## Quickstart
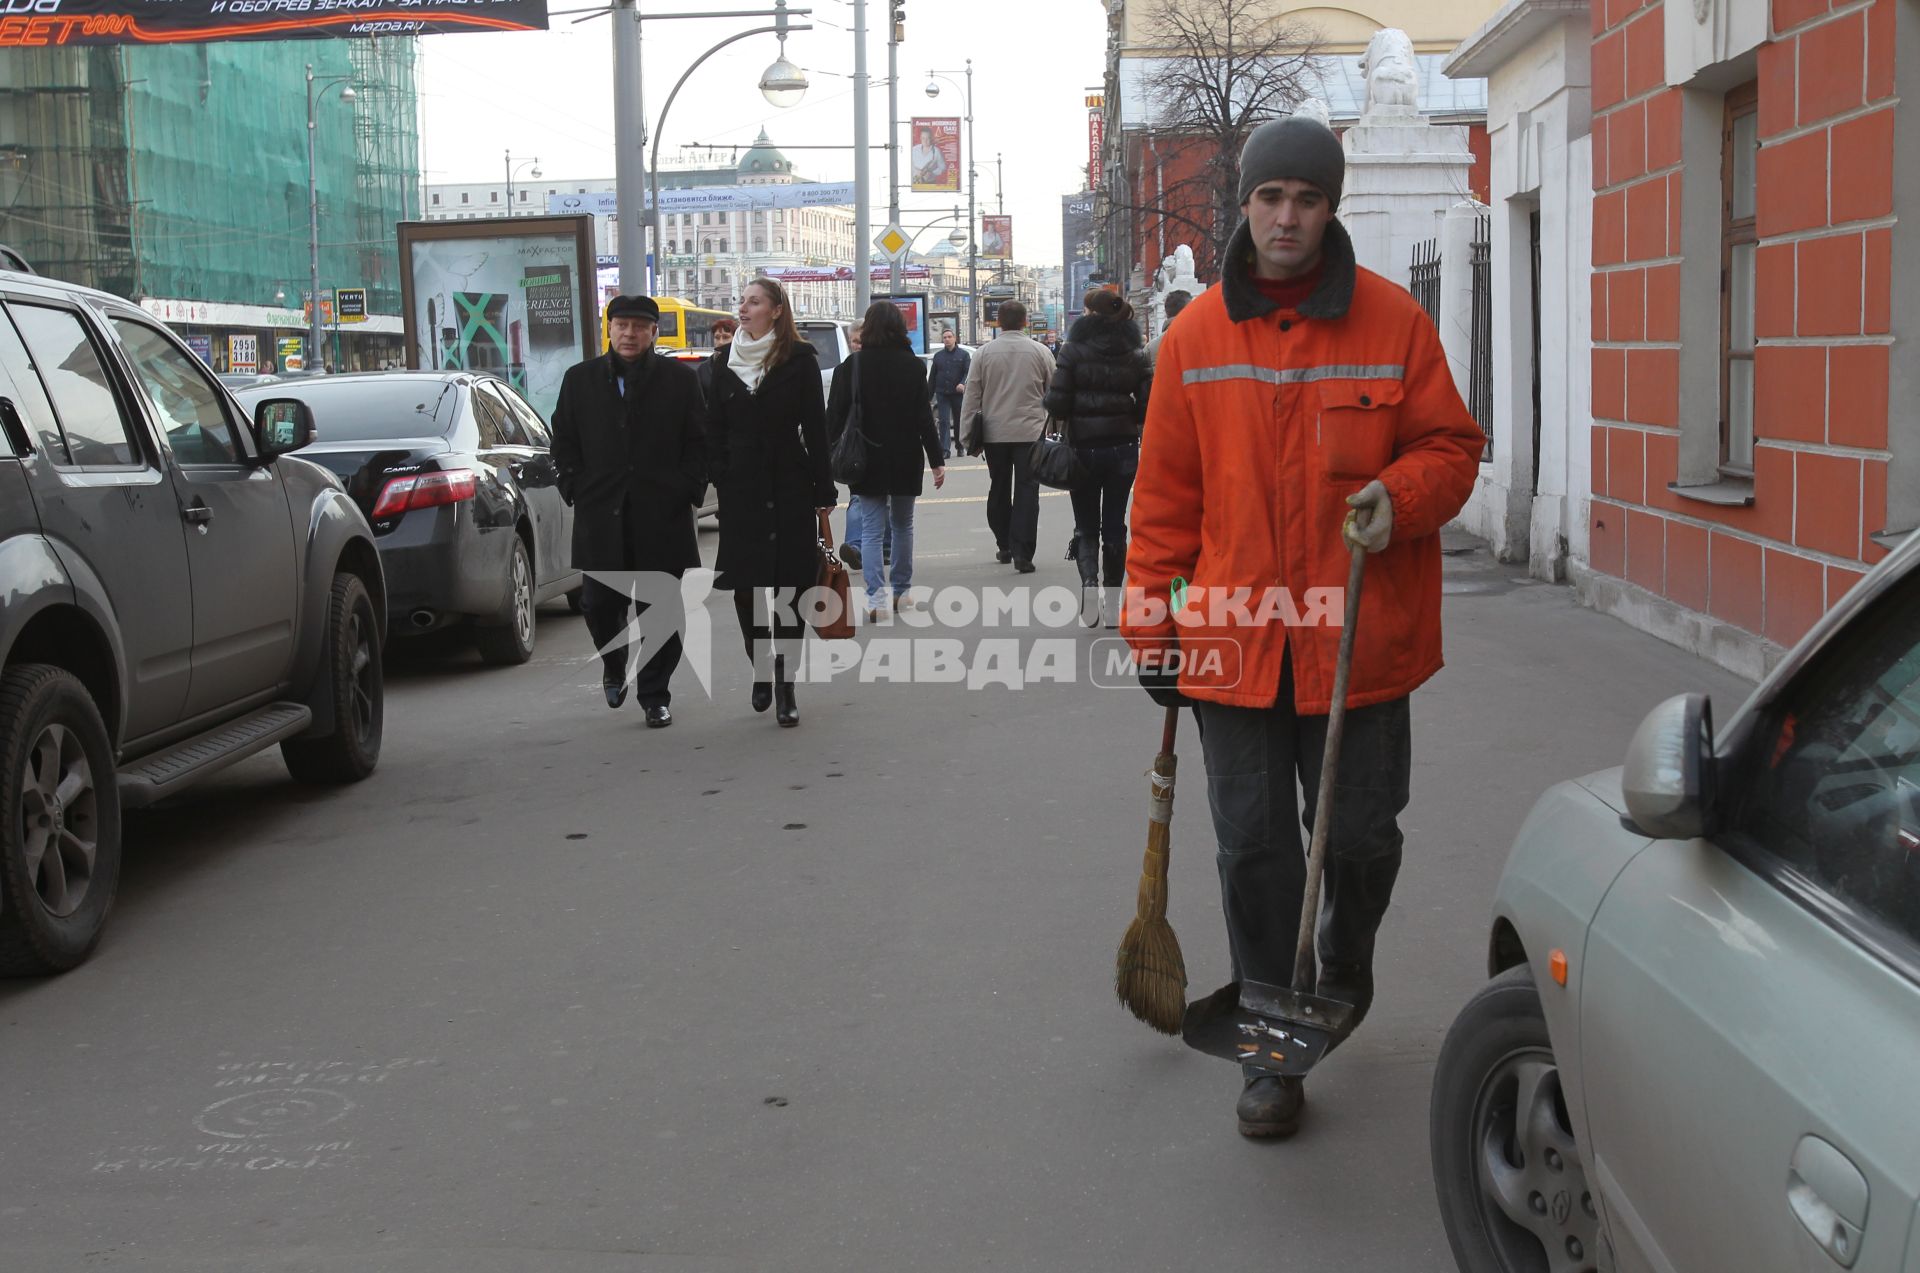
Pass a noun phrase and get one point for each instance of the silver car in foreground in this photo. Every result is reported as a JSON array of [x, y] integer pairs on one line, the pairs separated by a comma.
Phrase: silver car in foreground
[[1700, 1048]]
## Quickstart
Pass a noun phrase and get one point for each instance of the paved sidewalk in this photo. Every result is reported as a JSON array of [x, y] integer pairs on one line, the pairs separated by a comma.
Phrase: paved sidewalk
[[732, 997]]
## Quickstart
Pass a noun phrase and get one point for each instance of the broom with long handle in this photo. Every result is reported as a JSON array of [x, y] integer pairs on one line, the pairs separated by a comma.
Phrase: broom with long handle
[[1150, 975]]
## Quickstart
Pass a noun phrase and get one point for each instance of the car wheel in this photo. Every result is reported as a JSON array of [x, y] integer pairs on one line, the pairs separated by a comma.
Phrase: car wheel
[[60, 846], [1512, 1185], [352, 654], [512, 642]]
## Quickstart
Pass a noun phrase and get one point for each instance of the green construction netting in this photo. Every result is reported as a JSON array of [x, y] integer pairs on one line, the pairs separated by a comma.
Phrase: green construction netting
[[181, 171]]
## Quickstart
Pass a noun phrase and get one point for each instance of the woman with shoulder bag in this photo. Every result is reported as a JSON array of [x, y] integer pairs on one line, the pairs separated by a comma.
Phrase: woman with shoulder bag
[[767, 442], [882, 391], [1099, 390]]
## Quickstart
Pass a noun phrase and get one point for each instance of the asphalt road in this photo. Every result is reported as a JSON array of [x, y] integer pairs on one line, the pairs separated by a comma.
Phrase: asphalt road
[[551, 991]]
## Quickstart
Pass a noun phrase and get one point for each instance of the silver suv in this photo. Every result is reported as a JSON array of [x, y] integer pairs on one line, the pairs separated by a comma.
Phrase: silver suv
[[176, 593]]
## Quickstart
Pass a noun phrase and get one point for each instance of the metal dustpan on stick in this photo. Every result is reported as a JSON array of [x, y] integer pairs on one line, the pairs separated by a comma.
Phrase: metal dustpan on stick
[[1287, 1029]]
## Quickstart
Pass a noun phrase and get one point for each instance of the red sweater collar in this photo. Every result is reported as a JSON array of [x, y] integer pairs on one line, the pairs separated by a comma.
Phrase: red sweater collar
[[1290, 293]]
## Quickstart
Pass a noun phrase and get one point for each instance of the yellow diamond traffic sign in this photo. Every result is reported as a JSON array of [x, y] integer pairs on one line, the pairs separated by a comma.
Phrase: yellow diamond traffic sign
[[893, 240]]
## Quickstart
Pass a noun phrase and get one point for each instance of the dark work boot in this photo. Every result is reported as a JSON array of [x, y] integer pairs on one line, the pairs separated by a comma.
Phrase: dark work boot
[[1347, 983], [1270, 1106]]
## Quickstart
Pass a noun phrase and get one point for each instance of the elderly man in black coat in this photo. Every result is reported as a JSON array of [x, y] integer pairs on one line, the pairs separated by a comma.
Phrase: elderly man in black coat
[[631, 451]]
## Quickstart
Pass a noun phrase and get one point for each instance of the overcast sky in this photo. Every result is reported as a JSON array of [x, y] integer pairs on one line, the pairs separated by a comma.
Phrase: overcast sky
[[550, 94]]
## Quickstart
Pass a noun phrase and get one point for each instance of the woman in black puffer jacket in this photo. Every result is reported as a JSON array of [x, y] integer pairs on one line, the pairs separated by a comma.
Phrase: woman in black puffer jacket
[[1099, 389]]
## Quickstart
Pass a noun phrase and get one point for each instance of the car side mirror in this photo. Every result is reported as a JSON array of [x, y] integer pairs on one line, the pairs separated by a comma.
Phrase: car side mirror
[[282, 425], [1669, 775]]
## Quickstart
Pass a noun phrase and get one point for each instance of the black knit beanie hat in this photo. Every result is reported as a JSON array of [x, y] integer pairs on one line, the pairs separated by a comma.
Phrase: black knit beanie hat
[[1293, 147]]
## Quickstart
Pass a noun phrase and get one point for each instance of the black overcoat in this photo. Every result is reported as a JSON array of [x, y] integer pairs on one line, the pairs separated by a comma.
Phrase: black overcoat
[[896, 417], [768, 452], [634, 467]]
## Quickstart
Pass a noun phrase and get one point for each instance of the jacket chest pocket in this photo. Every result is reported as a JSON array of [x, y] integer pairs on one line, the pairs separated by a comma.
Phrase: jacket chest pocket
[[1359, 420]]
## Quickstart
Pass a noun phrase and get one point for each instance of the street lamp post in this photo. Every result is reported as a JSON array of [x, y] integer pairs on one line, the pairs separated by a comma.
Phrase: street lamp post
[[973, 245], [783, 84], [313, 210], [511, 165]]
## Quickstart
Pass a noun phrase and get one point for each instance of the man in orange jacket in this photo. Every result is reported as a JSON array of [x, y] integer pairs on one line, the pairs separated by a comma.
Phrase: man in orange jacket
[[1299, 390]]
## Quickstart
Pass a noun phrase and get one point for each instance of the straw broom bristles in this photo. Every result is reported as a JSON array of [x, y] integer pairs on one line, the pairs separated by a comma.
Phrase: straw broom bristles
[[1150, 974]]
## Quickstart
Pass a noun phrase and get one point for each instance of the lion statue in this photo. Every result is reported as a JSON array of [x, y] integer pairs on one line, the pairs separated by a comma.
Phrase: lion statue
[[1393, 86]]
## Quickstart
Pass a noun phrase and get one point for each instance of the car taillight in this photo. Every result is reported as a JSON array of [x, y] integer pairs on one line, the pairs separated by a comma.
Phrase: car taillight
[[423, 490]]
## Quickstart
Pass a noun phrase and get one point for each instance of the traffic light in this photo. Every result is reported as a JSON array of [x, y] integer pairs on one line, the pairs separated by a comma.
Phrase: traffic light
[[899, 8]]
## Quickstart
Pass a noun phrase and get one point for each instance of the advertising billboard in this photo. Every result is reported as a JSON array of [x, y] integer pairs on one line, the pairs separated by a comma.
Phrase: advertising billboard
[[913, 308], [243, 353], [350, 304], [934, 160], [1077, 233], [996, 238], [52, 23], [509, 296], [292, 351]]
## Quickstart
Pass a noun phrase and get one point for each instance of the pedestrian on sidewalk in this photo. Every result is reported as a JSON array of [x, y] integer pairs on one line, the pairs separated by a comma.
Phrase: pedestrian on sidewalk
[[897, 421], [1301, 389], [723, 329], [852, 541], [947, 381], [767, 435], [1008, 384], [1175, 302], [1099, 390], [630, 455]]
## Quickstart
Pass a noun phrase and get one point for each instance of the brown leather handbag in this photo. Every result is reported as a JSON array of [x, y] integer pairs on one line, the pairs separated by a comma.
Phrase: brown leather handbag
[[832, 577]]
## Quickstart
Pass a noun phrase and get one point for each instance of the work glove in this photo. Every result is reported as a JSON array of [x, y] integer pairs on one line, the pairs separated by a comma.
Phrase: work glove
[[1162, 686], [1370, 524]]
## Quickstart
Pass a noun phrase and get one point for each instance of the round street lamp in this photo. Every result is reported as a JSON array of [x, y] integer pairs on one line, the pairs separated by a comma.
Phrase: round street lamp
[[933, 89], [783, 84], [347, 94], [958, 237]]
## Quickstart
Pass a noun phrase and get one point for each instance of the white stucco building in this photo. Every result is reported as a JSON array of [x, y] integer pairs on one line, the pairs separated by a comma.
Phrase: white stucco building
[[1530, 502]]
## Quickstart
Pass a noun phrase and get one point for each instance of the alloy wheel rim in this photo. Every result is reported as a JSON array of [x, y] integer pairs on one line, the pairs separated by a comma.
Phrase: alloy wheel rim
[[1535, 1201], [362, 676], [522, 599], [59, 820]]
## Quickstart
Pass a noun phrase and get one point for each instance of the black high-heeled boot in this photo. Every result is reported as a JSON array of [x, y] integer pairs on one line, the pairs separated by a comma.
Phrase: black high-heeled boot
[[787, 712], [762, 695]]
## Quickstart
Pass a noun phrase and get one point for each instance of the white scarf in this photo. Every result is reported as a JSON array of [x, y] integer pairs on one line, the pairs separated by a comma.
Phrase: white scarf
[[747, 357]]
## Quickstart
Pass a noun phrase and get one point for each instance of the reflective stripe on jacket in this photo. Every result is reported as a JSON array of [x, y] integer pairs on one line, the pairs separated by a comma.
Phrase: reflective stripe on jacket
[[1262, 422]]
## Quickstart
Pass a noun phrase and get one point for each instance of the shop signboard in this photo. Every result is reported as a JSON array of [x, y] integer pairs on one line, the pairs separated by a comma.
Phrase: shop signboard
[[350, 303], [292, 351], [202, 347], [243, 353], [511, 297]]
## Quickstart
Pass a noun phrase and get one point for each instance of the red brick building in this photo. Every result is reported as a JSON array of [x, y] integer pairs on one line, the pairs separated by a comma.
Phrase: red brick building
[[1755, 442]]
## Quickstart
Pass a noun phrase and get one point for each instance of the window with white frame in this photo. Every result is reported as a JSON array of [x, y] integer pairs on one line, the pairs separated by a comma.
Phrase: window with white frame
[[1739, 242]]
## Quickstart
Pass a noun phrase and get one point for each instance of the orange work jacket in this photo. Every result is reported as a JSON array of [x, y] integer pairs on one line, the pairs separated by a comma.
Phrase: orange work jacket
[[1262, 421]]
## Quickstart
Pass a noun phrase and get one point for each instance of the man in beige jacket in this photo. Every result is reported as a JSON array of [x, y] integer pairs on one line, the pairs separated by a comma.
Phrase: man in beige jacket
[[1008, 383]]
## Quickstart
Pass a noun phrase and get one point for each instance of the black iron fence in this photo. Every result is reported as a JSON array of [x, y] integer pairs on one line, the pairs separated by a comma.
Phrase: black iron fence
[[1423, 277], [1480, 370]]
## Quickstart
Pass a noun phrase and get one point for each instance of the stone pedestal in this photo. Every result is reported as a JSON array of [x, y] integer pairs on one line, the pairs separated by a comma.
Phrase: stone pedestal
[[1402, 175]]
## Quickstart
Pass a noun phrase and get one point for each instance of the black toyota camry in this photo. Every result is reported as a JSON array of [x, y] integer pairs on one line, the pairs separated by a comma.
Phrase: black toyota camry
[[454, 471]]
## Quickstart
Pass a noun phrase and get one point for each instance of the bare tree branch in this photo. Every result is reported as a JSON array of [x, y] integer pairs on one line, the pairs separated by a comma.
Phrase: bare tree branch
[[1223, 68]]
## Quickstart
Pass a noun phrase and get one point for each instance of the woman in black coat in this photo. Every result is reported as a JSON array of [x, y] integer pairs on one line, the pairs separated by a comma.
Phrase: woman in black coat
[[767, 449], [1099, 390], [896, 418]]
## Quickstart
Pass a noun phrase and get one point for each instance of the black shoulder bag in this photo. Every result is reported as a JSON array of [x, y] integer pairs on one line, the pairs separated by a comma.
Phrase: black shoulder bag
[[847, 461]]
